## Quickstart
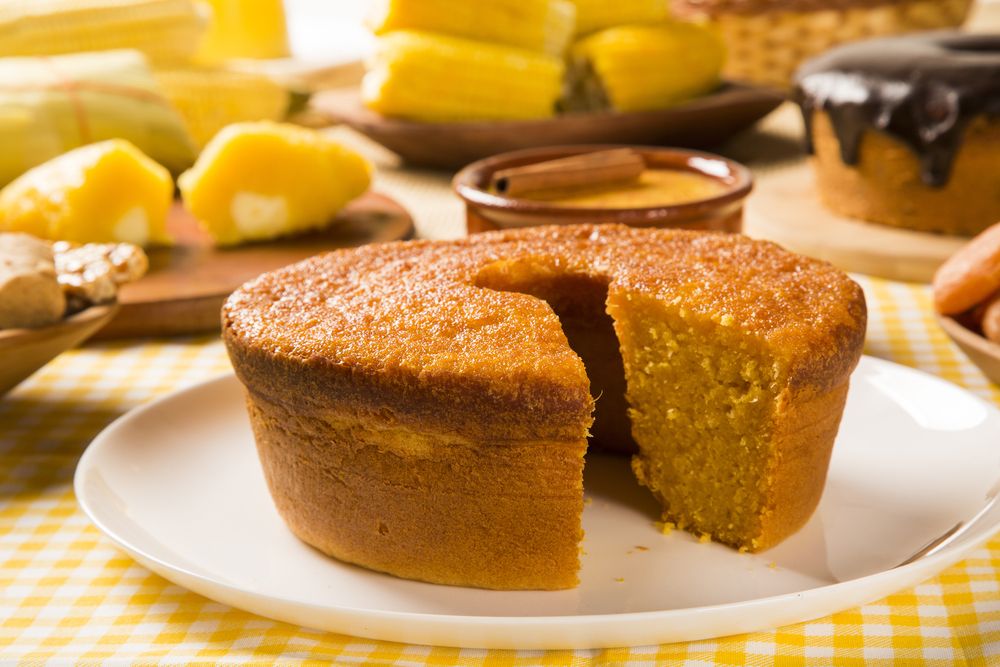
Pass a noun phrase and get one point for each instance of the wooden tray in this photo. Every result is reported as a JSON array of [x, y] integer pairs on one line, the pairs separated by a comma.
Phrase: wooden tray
[[24, 351], [701, 123], [785, 208], [187, 283]]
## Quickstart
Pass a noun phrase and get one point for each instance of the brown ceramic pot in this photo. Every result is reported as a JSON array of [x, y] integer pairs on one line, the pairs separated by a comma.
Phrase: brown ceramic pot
[[485, 210]]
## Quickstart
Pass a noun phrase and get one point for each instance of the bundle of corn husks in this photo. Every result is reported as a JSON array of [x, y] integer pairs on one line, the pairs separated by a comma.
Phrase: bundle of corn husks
[[51, 105]]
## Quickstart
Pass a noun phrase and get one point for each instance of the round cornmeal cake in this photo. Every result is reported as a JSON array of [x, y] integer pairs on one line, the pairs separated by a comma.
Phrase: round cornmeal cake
[[423, 408]]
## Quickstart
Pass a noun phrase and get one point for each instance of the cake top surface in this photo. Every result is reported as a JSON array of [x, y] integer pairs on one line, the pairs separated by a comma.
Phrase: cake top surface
[[923, 89], [415, 307]]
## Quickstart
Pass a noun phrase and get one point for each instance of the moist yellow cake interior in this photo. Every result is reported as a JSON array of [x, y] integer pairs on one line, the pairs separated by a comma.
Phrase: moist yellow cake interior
[[703, 398], [701, 395]]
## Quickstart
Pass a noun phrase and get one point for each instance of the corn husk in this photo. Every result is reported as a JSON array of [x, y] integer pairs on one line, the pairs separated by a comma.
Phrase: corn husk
[[51, 105]]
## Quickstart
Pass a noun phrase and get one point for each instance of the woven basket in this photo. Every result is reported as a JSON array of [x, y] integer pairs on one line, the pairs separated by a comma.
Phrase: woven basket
[[767, 46]]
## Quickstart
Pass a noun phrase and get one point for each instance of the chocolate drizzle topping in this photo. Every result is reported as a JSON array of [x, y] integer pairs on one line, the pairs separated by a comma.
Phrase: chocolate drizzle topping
[[921, 89]]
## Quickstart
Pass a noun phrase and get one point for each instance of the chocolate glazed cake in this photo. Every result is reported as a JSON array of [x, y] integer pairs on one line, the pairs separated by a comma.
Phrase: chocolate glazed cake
[[906, 130]]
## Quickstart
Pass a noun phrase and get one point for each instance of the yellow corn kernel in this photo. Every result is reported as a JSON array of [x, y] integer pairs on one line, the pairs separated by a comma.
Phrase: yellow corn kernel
[[433, 77], [262, 180], [103, 192]]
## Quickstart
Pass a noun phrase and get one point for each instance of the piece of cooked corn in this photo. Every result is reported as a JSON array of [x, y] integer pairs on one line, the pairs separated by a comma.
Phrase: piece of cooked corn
[[167, 31], [594, 15], [210, 99], [257, 181], [51, 105], [642, 67], [536, 25], [433, 77], [108, 191]]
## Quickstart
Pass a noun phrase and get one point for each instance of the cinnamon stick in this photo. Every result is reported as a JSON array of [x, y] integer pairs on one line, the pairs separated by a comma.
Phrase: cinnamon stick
[[617, 165]]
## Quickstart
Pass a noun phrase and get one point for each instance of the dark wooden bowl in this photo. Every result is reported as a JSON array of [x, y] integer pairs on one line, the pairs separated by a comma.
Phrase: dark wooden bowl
[[24, 351], [488, 211], [700, 123], [984, 353]]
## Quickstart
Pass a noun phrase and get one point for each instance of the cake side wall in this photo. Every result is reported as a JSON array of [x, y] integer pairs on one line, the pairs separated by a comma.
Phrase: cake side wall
[[422, 505], [522, 408], [885, 186], [805, 429]]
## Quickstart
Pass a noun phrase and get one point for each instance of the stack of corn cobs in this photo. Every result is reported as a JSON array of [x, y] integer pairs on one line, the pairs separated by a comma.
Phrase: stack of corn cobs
[[455, 60], [76, 72]]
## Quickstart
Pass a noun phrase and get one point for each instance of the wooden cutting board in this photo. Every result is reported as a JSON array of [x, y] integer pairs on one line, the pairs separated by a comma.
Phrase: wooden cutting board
[[188, 282], [785, 207]]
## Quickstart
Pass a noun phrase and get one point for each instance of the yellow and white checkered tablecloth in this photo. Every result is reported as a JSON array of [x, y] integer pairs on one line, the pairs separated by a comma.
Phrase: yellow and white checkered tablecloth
[[67, 594]]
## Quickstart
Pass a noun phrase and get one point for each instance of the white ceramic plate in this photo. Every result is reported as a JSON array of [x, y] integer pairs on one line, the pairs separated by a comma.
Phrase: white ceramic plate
[[177, 485]]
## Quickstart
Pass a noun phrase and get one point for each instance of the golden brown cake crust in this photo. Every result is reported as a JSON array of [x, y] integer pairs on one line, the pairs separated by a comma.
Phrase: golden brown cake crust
[[381, 379], [398, 314]]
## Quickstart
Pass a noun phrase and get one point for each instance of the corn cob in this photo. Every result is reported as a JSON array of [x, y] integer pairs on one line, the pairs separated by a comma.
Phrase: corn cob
[[535, 25], [438, 78], [592, 15], [642, 67], [167, 31], [51, 105], [210, 99], [257, 181], [108, 191]]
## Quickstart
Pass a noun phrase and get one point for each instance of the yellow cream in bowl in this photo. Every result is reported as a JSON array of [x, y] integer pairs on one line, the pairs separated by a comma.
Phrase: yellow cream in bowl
[[655, 187]]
